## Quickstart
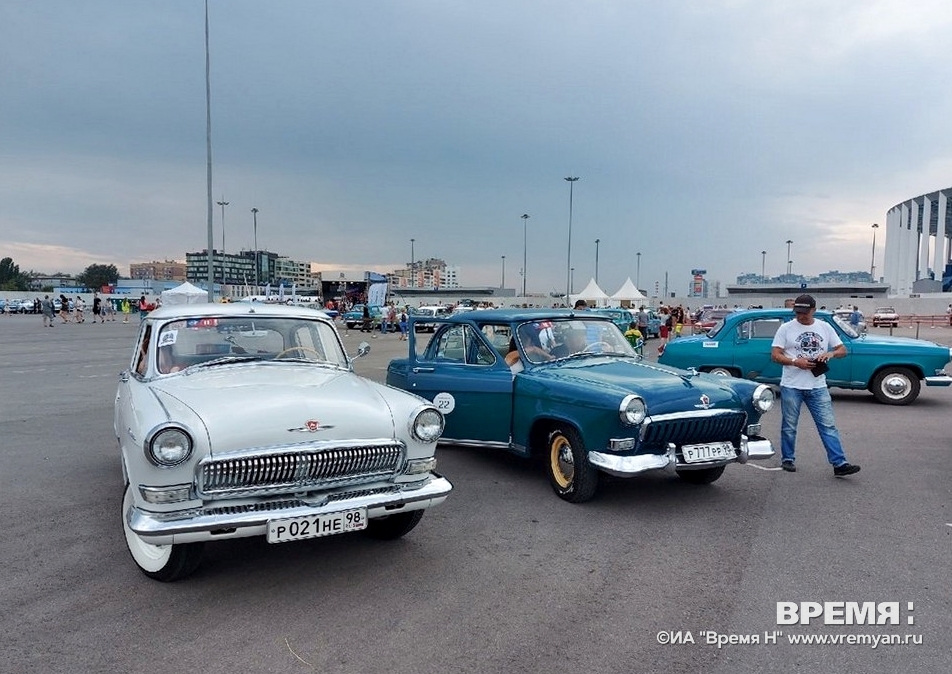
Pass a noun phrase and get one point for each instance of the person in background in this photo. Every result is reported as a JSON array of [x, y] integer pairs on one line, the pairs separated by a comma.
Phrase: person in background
[[64, 308], [80, 307], [97, 308], [803, 346], [635, 337], [403, 324], [46, 306]]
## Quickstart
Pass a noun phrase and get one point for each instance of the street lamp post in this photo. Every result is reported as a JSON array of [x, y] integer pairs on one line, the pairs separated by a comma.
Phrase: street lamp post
[[525, 241], [763, 267], [222, 203], [872, 264], [789, 261], [572, 279], [597, 241], [638, 272], [254, 214], [412, 265], [568, 262], [503, 284]]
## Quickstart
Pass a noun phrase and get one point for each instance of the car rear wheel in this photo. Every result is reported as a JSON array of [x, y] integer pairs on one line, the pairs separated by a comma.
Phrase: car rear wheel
[[572, 477], [895, 386], [720, 371], [159, 562], [703, 476], [393, 526]]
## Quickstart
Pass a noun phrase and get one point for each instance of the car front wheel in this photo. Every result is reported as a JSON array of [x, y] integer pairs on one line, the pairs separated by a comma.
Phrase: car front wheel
[[159, 562], [895, 386], [393, 526], [703, 476], [572, 477]]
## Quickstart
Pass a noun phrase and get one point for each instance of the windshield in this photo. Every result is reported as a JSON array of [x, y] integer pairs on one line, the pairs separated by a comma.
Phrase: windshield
[[195, 341], [554, 339]]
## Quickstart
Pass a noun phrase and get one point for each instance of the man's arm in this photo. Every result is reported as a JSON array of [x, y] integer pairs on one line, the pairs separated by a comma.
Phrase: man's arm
[[777, 355]]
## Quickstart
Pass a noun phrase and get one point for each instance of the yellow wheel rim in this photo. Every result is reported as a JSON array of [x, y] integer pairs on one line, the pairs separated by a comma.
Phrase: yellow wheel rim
[[562, 464]]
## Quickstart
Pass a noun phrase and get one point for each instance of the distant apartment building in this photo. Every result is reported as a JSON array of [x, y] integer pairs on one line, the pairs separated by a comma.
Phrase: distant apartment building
[[249, 268], [169, 270], [428, 274]]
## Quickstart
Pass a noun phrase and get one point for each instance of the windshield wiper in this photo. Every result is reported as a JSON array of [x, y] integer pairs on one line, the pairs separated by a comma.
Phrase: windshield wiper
[[224, 360]]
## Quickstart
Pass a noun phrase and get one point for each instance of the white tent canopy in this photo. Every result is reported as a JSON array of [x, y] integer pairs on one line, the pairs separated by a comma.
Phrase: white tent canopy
[[628, 292], [591, 293], [184, 294]]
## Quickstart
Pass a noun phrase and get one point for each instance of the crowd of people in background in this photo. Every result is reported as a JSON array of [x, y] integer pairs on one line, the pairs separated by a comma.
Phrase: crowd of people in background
[[76, 309]]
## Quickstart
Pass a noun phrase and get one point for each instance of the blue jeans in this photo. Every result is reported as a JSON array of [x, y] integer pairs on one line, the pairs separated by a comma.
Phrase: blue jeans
[[820, 405]]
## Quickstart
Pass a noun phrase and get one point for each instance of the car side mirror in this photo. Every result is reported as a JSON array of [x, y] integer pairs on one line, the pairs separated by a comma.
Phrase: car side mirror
[[363, 349]]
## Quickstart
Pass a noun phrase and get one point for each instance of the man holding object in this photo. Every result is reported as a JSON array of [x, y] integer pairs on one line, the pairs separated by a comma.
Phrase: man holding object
[[803, 346]]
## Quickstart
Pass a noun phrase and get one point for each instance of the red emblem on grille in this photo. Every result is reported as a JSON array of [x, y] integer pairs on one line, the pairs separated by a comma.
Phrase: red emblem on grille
[[312, 425]]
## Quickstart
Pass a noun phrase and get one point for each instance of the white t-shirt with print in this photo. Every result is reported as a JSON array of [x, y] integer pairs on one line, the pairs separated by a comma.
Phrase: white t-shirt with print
[[804, 341]]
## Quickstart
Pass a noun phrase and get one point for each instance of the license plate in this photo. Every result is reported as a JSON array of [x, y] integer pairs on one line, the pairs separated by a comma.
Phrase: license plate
[[299, 528], [708, 452]]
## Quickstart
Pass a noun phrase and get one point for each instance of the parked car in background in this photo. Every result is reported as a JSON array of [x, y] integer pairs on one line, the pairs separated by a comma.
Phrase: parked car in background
[[885, 316], [575, 394], [708, 318], [846, 314], [420, 315], [891, 368], [247, 419], [355, 318]]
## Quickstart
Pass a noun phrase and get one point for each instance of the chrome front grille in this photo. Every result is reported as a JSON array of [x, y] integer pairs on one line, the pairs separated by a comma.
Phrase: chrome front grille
[[694, 428], [298, 468]]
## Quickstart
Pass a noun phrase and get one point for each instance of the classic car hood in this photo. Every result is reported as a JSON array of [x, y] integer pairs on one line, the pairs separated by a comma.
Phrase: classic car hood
[[872, 340], [273, 404], [617, 377]]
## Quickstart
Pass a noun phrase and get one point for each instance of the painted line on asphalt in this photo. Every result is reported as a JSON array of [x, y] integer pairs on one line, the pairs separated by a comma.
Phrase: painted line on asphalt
[[754, 465]]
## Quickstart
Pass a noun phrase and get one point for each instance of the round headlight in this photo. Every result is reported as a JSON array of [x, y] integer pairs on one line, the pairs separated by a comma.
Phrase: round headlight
[[427, 426], [764, 398], [632, 410], [170, 447]]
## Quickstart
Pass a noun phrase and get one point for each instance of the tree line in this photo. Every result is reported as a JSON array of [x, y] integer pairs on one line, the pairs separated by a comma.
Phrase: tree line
[[93, 277]]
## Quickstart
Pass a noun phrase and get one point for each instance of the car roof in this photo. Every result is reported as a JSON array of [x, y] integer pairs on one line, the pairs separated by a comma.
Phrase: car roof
[[205, 309], [519, 315]]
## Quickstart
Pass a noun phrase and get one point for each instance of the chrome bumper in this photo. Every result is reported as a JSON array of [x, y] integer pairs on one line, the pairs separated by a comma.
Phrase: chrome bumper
[[229, 521], [939, 380], [755, 448]]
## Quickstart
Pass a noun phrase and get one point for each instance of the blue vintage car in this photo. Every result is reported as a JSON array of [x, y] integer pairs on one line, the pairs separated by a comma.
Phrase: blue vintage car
[[568, 387], [892, 368]]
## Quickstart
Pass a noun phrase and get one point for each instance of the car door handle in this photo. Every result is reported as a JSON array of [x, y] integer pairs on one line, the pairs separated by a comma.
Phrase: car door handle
[[423, 369]]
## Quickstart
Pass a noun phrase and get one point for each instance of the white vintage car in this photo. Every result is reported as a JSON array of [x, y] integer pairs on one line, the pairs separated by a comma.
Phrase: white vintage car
[[247, 419]]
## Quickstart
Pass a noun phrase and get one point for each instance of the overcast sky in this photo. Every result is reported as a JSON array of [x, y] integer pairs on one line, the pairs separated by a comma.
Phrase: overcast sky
[[702, 131]]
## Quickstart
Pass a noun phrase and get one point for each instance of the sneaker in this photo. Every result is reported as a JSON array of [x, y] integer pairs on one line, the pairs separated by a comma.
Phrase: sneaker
[[788, 466], [844, 470]]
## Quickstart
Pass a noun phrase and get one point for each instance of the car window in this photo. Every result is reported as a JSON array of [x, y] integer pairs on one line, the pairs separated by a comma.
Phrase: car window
[[459, 344], [764, 328], [844, 325], [500, 336], [541, 341]]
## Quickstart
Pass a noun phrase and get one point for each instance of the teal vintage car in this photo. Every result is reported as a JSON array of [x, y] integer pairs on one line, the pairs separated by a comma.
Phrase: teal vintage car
[[891, 368], [566, 386]]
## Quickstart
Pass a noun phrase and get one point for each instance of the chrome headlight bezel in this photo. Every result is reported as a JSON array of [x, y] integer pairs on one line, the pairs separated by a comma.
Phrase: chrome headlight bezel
[[633, 410], [169, 445], [426, 425], [763, 398]]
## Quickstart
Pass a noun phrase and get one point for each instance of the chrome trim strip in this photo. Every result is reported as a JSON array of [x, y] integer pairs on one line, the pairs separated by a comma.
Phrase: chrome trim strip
[[939, 380], [200, 524], [474, 443], [625, 466]]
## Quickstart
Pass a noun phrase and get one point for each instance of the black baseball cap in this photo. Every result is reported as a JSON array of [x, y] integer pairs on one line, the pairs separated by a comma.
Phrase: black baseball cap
[[803, 304]]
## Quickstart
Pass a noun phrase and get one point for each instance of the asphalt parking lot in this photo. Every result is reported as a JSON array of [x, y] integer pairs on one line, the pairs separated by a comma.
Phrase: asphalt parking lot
[[503, 577]]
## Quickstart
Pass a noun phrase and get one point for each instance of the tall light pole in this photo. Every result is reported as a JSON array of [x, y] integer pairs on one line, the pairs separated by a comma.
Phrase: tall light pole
[[872, 264], [254, 213], [208, 161], [568, 261], [763, 267], [503, 284], [412, 265], [525, 247], [789, 261], [222, 203], [597, 241], [638, 272]]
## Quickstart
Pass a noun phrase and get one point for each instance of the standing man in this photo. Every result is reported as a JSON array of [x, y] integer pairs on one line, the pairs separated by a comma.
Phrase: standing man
[[803, 346], [642, 320], [677, 317], [47, 307]]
